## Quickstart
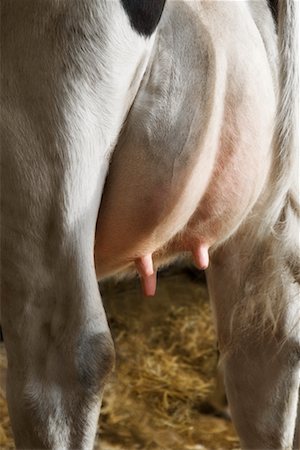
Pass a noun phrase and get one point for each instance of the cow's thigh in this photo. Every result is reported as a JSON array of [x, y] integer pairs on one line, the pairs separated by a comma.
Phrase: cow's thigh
[[256, 305]]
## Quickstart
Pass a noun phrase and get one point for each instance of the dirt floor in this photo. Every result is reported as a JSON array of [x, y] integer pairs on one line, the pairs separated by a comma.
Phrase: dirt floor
[[163, 394]]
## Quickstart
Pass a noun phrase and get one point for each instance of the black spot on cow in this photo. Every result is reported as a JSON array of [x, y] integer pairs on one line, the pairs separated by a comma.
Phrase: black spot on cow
[[144, 15], [273, 5]]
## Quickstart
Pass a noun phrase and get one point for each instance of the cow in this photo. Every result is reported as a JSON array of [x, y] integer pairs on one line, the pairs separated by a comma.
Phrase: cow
[[134, 132]]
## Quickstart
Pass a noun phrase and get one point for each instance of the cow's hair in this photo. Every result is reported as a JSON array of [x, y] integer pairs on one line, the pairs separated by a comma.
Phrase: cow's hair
[[286, 155], [283, 184], [271, 234], [283, 212]]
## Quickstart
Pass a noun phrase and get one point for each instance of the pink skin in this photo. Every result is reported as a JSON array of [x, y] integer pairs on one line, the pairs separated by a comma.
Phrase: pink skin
[[167, 207], [144, 266], [200, 255]]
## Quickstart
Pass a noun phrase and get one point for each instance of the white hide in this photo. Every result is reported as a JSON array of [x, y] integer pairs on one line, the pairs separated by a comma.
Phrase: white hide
[[70, 71]]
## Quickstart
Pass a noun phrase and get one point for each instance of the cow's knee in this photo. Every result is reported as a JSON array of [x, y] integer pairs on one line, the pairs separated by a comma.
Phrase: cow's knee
[[54, 400], [94, 358]]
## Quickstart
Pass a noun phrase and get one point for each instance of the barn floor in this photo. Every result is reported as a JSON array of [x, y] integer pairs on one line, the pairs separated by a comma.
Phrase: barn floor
[[163, 394]]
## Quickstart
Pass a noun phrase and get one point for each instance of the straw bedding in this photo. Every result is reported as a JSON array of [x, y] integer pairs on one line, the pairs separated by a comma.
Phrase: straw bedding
[[162, 393]]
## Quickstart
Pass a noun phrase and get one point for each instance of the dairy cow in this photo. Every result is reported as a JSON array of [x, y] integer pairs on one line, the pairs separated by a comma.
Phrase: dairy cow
[[127, 141]]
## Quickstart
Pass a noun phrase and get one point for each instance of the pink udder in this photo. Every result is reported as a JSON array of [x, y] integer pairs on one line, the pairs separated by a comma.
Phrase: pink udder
[[144, 266], [200, 255]]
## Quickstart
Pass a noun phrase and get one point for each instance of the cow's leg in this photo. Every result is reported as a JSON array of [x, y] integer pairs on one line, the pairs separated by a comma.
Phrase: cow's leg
[[58, 362], [256, 304], [56, 335], [70, 72], [57, 340]]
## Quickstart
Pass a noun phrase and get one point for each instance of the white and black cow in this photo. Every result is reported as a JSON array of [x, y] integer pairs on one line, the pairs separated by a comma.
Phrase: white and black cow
[[204, 165]]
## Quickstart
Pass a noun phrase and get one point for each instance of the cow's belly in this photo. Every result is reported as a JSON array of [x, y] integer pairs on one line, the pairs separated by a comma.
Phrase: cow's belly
[[208, 207], [162, 202]]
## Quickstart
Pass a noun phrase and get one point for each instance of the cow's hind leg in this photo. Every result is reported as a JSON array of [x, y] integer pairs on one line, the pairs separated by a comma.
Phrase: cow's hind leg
[[68, 87], [256, 304], [58, 343], [55, 331], [58, 360]]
